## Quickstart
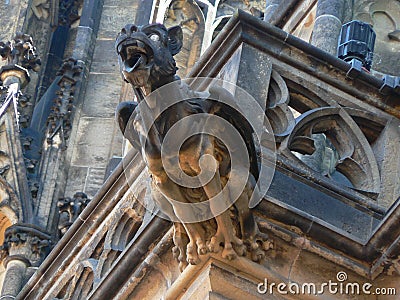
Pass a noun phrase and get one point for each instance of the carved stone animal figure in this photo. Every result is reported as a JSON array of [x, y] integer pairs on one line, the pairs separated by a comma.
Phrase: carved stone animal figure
[[147, 63]]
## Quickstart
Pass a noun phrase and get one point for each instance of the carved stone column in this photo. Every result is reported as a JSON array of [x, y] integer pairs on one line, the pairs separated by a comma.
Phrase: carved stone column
[[275, 10], [328, 22], [24, 246]]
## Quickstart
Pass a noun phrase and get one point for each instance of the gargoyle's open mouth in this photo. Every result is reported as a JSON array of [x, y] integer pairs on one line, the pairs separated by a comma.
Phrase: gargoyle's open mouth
[[135, 55]]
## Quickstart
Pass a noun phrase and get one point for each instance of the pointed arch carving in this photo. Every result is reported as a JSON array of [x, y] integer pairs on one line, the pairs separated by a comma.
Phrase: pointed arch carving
[[277, 109], [121, 231], [81, 284], [356, 158]]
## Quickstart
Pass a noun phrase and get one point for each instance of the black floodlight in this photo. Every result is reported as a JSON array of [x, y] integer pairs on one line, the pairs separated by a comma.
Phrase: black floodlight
[[356, 42]]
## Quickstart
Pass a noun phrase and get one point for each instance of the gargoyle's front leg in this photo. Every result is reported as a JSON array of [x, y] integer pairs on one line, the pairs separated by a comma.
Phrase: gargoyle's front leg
[[257, 242], [181, 240], [252, 237], [233, 246], [195, 232]]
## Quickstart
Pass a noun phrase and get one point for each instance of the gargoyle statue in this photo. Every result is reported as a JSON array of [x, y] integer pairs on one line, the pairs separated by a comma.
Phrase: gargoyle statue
[[147, 63]]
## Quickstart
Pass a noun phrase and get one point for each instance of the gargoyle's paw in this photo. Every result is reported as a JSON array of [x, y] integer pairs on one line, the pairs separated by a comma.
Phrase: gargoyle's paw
[[201, 247], [253, 246], [193, 259], [178, 253], [228, 252], [191, 255], [240, 249], [214, 245], [236, 241], [257, 255]]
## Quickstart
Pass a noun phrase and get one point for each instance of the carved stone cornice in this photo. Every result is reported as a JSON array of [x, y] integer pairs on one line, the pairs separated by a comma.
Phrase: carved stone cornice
[[25, 241], [70, 209]]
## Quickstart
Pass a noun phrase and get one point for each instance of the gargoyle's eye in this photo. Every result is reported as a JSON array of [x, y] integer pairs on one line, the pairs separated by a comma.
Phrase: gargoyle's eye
[[154, 37]]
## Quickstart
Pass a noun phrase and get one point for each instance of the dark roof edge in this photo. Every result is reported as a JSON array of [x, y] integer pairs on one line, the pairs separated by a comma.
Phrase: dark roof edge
[[243, 17], [244, 27]]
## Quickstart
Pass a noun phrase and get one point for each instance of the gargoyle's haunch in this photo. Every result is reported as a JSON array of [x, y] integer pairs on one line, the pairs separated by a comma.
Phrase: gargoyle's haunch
[[147, 63]]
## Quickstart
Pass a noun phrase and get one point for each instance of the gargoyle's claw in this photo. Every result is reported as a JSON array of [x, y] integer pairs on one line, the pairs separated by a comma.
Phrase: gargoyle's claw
[[201, 247], [228, 252], [214, 244], [191, 255]]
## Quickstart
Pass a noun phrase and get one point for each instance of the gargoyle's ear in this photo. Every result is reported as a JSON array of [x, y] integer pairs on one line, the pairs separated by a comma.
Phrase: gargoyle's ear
[[175, 39]]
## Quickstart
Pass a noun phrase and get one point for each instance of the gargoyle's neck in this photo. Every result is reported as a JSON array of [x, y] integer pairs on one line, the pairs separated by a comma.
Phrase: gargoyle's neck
[[156, 84]]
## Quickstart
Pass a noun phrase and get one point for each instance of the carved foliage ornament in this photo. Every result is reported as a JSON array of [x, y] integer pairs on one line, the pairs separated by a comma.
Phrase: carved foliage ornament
[[69, 11], [27, 242], [70, 209], [20, 51]]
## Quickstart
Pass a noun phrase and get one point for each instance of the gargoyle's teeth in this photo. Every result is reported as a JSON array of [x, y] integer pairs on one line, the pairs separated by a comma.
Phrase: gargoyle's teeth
[[135, 49], [134, 62]]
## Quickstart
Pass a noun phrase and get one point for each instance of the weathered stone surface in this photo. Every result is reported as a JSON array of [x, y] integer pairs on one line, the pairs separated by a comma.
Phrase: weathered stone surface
[[328, 22], [94, 180], [327, 7], [92, 135], [12, 15], [76, 179], [301, 24], [322, 206], [84, 44], [389, 162], [326, 32], [100, 104], [113, 19], [104, 60], [249, 69]]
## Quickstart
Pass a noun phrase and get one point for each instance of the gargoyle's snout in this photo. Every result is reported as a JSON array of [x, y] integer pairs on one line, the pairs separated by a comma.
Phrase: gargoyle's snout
[[134, 55], [129, 28]]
